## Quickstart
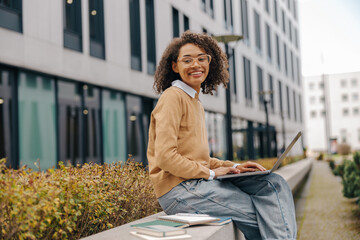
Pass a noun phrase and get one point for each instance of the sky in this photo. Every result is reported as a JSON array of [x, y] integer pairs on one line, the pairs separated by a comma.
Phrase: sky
[[329, 36]]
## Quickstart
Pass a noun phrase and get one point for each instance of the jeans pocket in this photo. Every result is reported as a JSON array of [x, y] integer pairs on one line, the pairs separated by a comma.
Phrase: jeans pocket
[[171, 209]]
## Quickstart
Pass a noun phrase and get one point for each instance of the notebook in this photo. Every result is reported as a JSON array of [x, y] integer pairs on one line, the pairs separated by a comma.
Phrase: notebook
[[160, 231], [146, 237], [191, 219], [275, 167], [161, 222]]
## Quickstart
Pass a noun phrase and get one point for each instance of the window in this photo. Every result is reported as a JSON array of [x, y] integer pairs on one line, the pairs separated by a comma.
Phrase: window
[[6, 111], [138, 117], [294, 9], [176, 28], [280, 97], [354, 82], [343, 135], [271, 87], [257, 32], [355, 96], [323, 113], [113, 126], [203, 5], [37, 121], [311, 86], [150, 37], [11, 14], [295, 108], [212, 8], [267, 7], [321, 85], [278, 59], [290, 30], [70, 122], [300, 108], [245, 20], [96, 25], [343, 83], [288, 102], [283, 21], [292, 65], [322, 99], [186, 23], [345, 112], [228, 15], [276, 11], [356, 111], [344, 97], [207, 6], [298, 71], [296, 38], [73, 28], [260, 86], [232, 72], [92, 127], [285, 59], [268, 42], [247, 81], [313, 114], [135, 35]]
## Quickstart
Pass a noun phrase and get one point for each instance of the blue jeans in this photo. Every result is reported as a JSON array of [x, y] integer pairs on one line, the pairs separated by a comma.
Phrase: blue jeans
[[262, 206]]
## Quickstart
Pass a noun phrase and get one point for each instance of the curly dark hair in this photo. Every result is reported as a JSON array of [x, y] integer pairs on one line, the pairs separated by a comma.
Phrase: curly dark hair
[[218, 69]]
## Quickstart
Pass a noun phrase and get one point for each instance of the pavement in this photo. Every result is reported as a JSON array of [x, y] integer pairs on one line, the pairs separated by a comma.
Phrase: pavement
[[322, 210]]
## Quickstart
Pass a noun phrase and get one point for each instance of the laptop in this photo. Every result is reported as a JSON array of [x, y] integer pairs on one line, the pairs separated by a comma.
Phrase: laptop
[[276, 165]]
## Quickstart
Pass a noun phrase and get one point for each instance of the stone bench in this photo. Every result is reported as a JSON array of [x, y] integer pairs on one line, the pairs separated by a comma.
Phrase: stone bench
[[293, 174]]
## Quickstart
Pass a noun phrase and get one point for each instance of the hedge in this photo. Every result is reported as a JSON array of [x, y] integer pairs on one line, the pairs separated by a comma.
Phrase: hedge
[[349, 171], [72, 202]]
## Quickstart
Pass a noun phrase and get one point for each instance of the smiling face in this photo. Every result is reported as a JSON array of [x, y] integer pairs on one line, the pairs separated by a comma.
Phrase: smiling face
[[192, 65]]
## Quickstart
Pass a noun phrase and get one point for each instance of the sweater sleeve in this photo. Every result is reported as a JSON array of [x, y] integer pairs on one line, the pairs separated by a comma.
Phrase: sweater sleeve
[[215, 163], [168, 115]]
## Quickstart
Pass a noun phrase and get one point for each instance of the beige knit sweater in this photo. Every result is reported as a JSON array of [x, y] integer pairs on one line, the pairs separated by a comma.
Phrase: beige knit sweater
[[178, 145]]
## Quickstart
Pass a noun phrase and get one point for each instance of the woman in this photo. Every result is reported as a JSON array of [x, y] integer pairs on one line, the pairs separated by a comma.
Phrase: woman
[[183, 173]]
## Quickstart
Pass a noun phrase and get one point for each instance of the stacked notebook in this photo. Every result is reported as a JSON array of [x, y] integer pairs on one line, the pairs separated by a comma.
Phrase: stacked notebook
[[171, 226]]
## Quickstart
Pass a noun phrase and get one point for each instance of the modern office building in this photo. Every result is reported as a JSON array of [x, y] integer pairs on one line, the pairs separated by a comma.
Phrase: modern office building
[[332, 115], [76, 76]]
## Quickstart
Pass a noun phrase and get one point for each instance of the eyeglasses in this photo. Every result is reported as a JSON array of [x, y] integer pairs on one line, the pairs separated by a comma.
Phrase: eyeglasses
[[202, 60]]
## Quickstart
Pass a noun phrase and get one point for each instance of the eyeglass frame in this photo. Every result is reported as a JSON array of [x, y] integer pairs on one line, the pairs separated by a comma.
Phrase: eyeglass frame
[[197, 59]]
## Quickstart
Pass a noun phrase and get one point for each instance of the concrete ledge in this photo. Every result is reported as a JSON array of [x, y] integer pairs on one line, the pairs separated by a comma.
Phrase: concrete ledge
[[293, 174]]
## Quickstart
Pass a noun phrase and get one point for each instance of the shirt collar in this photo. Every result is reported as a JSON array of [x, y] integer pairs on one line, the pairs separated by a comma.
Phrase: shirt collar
[[186, 88]]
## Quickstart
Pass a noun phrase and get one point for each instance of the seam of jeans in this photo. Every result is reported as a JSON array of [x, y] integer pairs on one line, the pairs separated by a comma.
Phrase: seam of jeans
[[281, 209]]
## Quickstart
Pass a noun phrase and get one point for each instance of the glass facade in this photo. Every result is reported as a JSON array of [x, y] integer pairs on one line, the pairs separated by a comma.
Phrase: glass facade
[[37, 121], [114, 126], [70, 122], [92, 117], [215, 125], [6, 110]]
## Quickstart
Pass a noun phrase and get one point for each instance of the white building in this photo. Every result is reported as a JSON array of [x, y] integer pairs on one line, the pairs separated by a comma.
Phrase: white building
[[332, 102], [77, 75]]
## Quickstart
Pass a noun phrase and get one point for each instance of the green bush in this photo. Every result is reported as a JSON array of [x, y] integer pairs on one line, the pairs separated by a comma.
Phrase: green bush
[[72, 202], [332, 164], [349, 171]]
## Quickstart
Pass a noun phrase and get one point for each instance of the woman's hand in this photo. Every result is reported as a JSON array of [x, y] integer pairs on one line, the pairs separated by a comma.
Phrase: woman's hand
[[225, 170], [250, 167]]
